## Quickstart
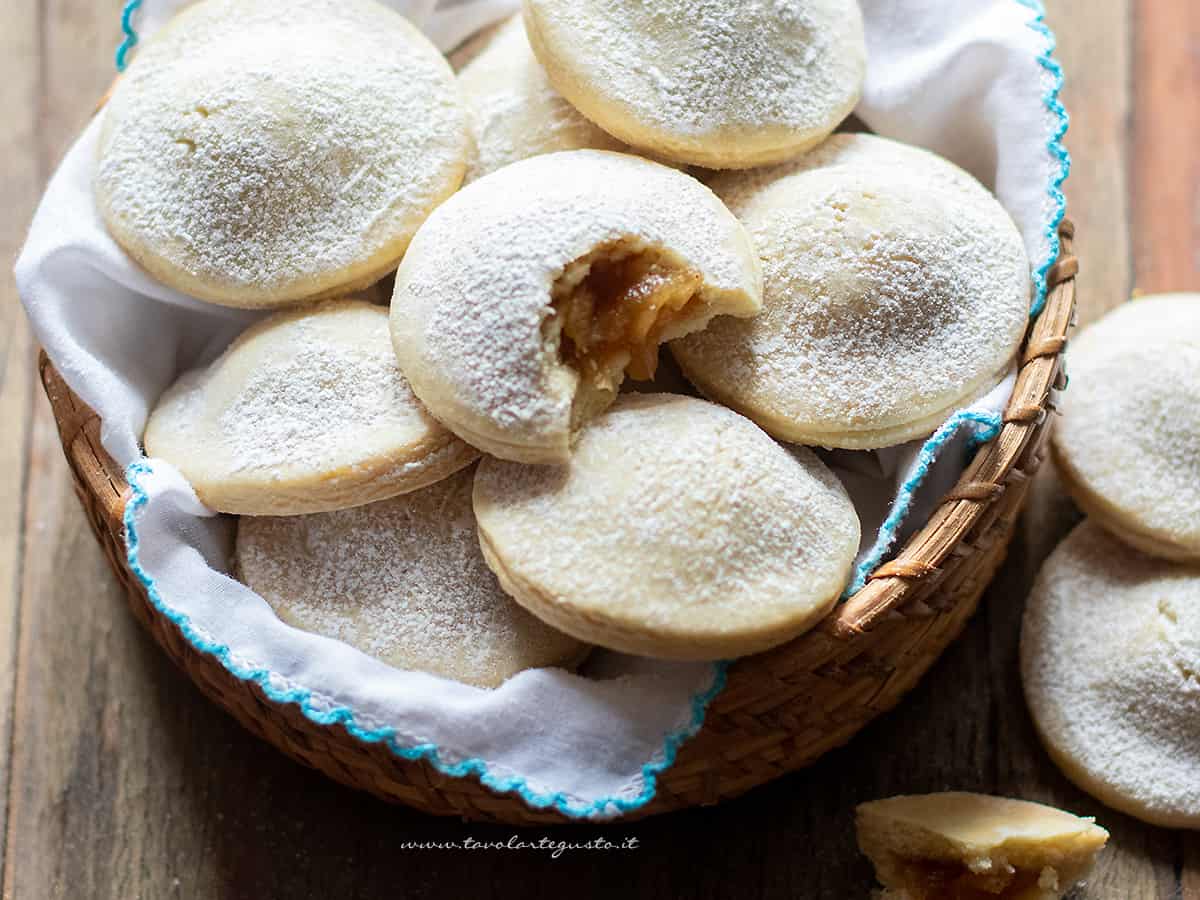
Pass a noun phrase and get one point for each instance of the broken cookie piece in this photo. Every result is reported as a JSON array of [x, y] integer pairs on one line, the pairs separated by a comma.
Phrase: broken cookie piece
[[962, 846]]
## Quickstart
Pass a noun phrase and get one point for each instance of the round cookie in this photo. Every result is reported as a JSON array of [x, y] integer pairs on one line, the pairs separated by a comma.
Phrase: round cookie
[[401, 580], [1110, 651], [705, 82], [305, 412], [516, 112], [892, 296], [243, 161], [526, 297], [680, 530], [1128, 443]]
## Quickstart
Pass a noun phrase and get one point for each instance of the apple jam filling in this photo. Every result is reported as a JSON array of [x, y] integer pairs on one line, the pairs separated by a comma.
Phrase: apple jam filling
[[937, 880], [613, 307]]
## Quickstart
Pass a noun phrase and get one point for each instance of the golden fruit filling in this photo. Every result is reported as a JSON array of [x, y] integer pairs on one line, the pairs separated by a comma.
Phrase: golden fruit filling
[[937, 880], [615, 306]]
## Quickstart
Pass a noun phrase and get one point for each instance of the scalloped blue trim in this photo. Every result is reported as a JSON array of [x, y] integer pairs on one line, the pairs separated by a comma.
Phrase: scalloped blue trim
[[1054, 146], [344, 716], [130, 39], [991, 424]]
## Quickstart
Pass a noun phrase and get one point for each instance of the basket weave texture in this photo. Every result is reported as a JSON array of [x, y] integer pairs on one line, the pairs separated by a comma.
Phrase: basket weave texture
[[780, 710]]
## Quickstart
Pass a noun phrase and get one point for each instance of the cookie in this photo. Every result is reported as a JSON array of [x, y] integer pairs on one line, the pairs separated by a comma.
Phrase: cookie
[[515, 111], [305, 412], [705, 82], [896, 290], [401, 580], [932, 846], [1128, 442], [680, 530], [242, 160], [1110, 651], [525, 300]]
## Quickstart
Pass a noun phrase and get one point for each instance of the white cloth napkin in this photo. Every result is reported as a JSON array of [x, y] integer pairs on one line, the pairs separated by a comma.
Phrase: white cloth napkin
[[972, 80]]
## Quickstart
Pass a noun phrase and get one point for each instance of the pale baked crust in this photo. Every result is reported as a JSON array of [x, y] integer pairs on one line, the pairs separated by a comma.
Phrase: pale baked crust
[[475, 293], [1128, 444], [402, 580], [963, 844], [243, 160], [1109, 656], [515, 112], [305, 412], [896, 290], [680, 530], [1113, 519], [709, 83]]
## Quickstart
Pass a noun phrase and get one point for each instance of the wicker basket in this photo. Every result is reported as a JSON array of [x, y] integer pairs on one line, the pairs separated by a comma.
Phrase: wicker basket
[[780, 710]]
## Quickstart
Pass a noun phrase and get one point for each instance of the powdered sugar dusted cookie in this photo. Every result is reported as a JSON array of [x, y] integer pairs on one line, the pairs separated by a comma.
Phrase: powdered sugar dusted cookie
[[516, 113], [1128, 444], [246, 161], [680, 530], [528, 296], [401, 580], [1110, 651], [893, 294], [306, 411], [705, 82]]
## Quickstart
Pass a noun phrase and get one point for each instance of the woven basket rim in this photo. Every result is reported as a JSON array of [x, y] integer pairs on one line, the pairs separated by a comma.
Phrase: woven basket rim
[[896, 589]]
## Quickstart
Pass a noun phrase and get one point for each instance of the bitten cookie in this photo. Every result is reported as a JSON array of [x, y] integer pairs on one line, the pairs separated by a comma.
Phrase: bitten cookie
[[515, 111], [525, 300], [305, 412], [1128, 443], [401, 580], [680, 530], [1110, 651], [261, 152], [895, 291], [705, 82], [935, 846]]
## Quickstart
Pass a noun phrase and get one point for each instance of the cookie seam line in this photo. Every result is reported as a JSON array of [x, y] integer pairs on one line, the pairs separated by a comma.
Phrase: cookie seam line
[[269, 683]]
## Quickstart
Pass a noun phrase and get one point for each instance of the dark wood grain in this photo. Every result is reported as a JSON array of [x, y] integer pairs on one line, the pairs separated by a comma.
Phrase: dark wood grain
[[123, 782]]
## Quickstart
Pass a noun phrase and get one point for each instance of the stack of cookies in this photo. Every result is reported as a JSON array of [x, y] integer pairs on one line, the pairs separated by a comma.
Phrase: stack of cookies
[[1110, 646], [457, 478]]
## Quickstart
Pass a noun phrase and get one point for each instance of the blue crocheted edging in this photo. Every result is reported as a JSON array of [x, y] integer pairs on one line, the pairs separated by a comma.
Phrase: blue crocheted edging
[[430, 753], [1054, 146], [990, 422], [130, 40]]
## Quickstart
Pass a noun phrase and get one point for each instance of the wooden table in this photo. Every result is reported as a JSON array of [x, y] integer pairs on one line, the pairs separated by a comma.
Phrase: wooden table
[[122, 782]]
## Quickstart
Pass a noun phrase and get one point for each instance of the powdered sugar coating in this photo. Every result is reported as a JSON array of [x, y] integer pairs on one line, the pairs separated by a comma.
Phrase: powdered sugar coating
[[242, 160], [401, 580], [474, 289], [706, 82], [1128, 443], [895, 290], [679, 530], [306, 411], [515, 111], [1110, 657]]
